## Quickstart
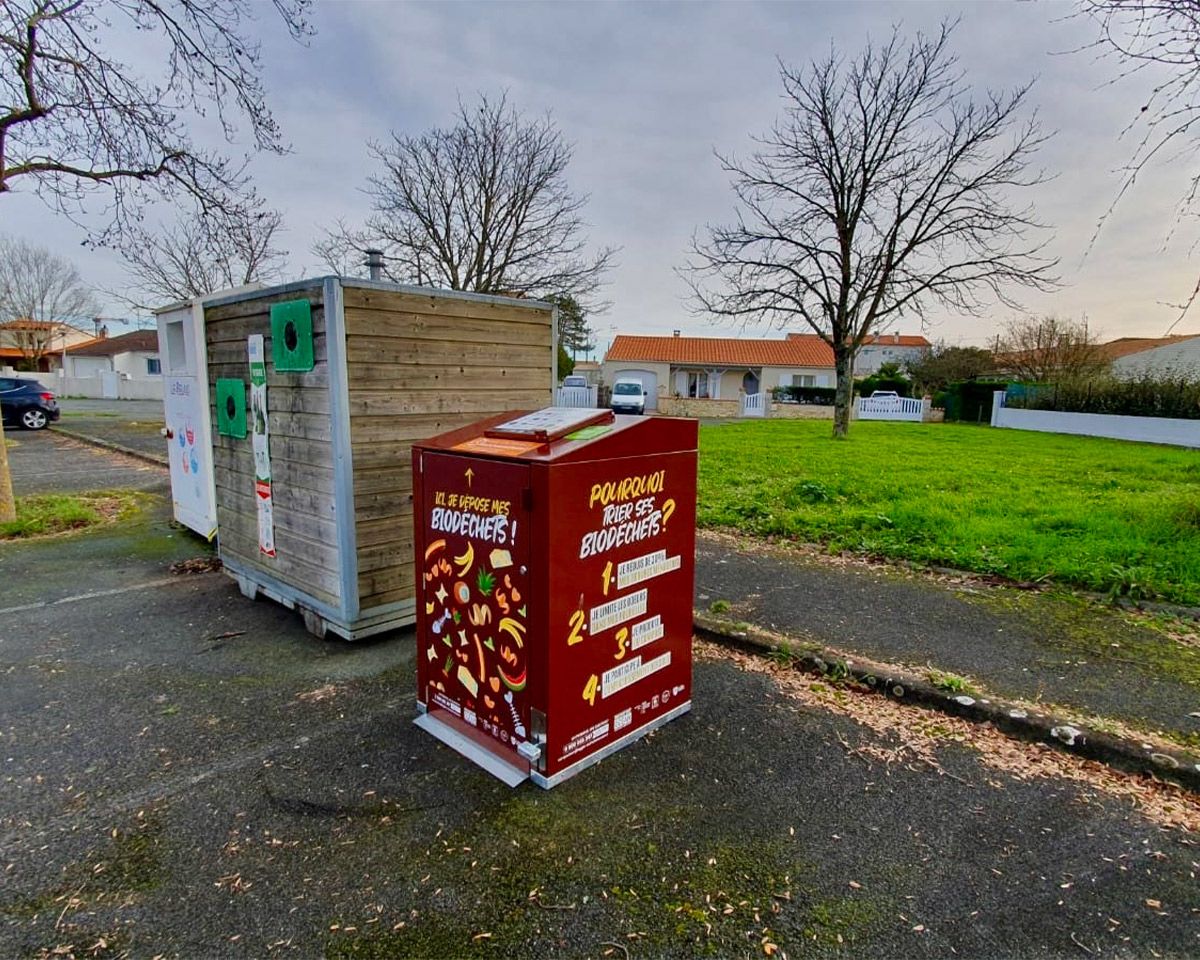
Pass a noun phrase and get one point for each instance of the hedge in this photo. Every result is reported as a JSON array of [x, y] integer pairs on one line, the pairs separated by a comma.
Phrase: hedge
[[817, 395], [1174, 397], [969, 400]]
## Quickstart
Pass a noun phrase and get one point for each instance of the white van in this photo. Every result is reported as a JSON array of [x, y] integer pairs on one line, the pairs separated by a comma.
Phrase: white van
[[629, 396]]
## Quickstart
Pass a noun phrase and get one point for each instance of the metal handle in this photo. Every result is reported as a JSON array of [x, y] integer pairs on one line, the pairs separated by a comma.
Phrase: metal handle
[[530, 751]]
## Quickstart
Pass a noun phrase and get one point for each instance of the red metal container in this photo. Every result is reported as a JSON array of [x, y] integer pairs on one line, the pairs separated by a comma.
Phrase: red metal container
[[555, 554]]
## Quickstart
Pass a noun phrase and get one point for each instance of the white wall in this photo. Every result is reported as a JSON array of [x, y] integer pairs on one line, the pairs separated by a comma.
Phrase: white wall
[[774, 376], [1178, 359], [1176, 433], [874, 355], [130, 363], [87, 366], [134, 364], [145, 389]]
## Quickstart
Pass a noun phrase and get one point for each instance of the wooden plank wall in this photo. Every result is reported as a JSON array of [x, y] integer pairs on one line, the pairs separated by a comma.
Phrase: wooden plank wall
[[302, 487], [419, 366]]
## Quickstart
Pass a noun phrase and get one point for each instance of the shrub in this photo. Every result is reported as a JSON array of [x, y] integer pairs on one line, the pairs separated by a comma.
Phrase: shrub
[[818, 395], [887, 377]]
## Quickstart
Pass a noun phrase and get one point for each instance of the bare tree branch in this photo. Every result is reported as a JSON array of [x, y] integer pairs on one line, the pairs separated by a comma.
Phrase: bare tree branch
[[481, 206], [39, 294], [1050, 348], [885, 188], [1141, 35], [197, 255], [76, 122]]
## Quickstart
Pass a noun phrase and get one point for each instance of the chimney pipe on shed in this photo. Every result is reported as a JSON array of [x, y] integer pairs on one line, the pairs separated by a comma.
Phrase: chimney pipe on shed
[[374, 264]]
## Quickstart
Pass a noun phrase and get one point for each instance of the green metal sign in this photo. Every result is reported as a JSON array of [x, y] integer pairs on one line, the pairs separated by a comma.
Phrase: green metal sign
[[231, 408], [292, 335]]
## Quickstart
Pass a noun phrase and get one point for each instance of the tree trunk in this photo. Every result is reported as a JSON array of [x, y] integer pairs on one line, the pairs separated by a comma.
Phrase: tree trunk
[[843, 363], [8, 506]]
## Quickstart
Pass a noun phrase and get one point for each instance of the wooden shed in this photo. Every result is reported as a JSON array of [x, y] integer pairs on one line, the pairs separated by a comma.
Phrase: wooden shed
[[354, 371]]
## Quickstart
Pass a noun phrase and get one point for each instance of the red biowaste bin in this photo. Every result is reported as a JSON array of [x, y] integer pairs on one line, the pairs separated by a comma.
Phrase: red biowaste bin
[[555, 555]]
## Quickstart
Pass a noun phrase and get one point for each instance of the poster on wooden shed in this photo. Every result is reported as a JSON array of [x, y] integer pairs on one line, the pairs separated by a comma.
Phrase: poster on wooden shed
[[261, 441]]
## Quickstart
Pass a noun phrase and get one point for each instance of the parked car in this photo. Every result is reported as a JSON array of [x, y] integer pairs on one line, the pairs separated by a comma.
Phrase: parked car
[[575, 380], [886, 399], [27, 403], [628, 396]]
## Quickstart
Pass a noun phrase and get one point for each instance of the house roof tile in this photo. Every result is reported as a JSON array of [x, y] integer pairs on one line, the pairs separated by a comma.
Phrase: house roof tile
[[145, 341], [797, 350], [1124, 346], [883, 339]]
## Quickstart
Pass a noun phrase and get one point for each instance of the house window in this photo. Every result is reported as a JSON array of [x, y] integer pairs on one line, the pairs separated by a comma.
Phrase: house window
[[153, 366], [803, 380], [697, 384]]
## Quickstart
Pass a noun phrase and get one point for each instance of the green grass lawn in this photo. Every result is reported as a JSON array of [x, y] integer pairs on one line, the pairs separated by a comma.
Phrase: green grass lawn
[[1103, 514], [40, 515]]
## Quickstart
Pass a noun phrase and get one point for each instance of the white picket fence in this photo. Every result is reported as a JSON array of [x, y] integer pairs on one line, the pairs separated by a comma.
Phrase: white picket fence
[[754, 404], [891, 408], [576, 397]]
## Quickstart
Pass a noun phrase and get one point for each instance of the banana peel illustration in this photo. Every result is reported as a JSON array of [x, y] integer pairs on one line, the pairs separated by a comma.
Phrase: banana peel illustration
[[514, 628], [466, 560]]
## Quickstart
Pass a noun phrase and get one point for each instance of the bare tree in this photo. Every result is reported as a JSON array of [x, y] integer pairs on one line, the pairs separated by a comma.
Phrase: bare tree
[[199, 254], [483, 206], [885, 188], [40, 294], [1042, 349], [1143, 35], [75, 121]]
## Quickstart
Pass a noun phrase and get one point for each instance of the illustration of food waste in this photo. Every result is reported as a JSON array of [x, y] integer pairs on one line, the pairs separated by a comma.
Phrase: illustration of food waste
[[476, 606]]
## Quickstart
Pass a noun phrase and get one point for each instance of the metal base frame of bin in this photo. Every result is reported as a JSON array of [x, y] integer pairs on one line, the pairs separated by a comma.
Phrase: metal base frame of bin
[[548, 782]]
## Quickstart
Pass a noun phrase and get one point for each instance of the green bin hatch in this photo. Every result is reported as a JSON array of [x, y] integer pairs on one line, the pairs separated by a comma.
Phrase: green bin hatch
[[292, 336], [231, 408]]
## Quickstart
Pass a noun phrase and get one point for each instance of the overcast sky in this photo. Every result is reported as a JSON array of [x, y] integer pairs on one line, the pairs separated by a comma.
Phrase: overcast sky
[[647, 92]]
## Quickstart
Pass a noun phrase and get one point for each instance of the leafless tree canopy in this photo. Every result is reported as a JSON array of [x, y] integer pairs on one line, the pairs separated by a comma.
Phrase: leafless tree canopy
[[481, 206], [1142, 35], [36, 285], [1046, 349], [198, 255], [885, 187], [75, 121]]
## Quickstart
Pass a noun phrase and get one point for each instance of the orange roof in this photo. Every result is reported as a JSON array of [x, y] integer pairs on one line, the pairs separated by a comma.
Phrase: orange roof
[[27, 324], [883, 339], [1124, 346], [798, 350]]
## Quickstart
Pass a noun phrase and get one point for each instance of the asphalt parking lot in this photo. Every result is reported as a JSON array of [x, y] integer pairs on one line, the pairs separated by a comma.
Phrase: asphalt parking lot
[[47, 462], [188, 773]]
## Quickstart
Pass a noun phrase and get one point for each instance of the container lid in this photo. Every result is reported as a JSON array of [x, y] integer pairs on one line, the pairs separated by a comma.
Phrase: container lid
[[550, 423]]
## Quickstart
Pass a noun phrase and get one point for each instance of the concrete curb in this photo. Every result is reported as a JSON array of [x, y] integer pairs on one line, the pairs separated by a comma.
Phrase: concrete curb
[[115, 447], [1124, 754]]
